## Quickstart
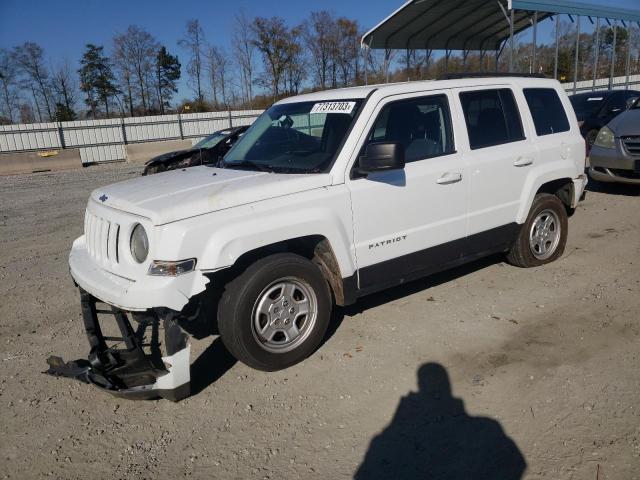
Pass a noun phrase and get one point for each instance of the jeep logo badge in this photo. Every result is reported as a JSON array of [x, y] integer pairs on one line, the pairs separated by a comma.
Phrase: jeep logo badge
[[103, 198]]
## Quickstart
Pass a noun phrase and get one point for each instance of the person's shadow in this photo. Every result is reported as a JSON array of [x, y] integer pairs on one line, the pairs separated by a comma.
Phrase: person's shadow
[[431, 437]]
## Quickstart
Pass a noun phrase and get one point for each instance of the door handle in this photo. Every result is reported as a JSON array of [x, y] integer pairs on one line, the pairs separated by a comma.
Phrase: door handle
[[523, 162], [448, 178]]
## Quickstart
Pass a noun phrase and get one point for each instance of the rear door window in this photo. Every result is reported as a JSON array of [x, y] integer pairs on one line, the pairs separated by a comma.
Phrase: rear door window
[[546, 110], [492, 117]]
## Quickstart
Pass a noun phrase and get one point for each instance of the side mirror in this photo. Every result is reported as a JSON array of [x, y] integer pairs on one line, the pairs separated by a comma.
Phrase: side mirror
[[631, 101], [379, 157]]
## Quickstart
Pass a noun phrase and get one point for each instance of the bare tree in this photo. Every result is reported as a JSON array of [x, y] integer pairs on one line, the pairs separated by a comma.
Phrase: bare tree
[[136, 50], [244, 52], [319, 33], [347, 51], [296, 63], [30, 58], [124, 72], [8, 85], [194, 41], [271, 40], [65, 89], [223, 72], [26, 113], [212, 57]]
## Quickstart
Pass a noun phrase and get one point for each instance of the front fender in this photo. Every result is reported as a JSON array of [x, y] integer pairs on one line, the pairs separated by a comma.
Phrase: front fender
[[218, 239]]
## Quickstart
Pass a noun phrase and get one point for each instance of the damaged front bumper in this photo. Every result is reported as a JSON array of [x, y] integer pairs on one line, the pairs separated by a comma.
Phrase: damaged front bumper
[[139, 370]]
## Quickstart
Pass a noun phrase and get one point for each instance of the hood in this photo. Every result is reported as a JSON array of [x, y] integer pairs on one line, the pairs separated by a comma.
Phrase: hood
[[178, 194], [170, 156], [627, 123]]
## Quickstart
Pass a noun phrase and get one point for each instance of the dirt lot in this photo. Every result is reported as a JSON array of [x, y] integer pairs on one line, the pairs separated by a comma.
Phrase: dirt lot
[[543, 365]]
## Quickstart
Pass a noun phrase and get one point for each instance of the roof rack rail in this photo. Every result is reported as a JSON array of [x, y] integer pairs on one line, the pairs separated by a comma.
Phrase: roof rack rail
[[455, 76]]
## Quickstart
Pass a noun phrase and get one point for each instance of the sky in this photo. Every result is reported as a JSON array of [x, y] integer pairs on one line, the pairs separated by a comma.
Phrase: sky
[[63, 27]]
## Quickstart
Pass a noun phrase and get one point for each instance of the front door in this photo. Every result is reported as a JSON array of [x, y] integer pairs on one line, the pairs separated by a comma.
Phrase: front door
[[412, 221]]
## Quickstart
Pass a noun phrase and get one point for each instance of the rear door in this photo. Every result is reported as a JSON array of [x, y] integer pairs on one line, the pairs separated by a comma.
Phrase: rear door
[[500, 157]]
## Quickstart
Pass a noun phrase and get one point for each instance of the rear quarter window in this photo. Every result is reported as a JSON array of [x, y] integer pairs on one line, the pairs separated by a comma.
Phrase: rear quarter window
[[546, 109], [492, 117]]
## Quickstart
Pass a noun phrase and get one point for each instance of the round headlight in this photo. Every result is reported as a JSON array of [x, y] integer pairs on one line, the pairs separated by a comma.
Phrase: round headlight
[[139, 243]]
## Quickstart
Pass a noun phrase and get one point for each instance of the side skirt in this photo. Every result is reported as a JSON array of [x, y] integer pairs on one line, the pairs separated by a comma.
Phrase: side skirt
[[406, 268]]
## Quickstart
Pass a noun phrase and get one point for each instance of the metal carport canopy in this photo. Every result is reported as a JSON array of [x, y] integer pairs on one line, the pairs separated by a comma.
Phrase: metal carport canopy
[[471, 24]]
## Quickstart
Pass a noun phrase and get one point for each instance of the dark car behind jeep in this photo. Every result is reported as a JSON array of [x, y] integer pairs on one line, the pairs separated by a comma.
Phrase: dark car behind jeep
[[595, 109], [207, 151]]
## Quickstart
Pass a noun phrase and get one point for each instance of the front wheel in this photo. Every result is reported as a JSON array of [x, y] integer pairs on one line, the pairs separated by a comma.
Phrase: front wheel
[[543, 236], [275, 313]]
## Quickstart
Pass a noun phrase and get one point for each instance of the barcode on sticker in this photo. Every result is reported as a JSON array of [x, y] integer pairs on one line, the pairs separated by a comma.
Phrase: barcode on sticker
[[333, 107]]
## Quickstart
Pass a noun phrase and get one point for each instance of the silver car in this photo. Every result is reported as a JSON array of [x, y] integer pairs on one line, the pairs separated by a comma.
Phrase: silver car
[[615, 155]]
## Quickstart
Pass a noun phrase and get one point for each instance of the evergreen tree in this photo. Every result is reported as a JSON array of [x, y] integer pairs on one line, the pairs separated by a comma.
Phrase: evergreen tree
[[96, 78], [63, 113], [167, 73]]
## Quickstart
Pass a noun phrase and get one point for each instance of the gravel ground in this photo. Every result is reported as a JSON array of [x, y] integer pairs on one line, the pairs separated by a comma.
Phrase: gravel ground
[[488, 366]]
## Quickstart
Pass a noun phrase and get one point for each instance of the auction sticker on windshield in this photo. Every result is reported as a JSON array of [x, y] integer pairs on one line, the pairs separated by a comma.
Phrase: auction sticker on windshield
[[333, 107]]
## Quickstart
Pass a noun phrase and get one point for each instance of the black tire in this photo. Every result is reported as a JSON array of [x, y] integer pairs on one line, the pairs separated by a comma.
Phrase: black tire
[[522, 253], [240, 299]]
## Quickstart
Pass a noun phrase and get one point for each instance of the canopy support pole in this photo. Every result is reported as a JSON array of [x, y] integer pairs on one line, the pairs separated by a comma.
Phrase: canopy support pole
[[366, 60], [555, 58], [482, 52], [628, 62], [613, 54], [408, 64], [511, 42], [575, 66], [596, 54], [535, 41], [427, 60], [499, 52]]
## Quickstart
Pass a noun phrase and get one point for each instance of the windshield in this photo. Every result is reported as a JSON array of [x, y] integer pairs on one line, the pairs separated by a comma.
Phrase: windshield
[[586, 105], [299, 137], [210, 141]]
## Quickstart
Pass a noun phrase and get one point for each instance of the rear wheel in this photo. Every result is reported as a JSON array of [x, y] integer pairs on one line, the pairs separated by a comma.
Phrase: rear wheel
[[275, 313], [543, 236]]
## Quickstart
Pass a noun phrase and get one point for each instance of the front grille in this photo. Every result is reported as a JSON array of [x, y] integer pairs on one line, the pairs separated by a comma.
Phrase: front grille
[[632, 145], [102, 238]]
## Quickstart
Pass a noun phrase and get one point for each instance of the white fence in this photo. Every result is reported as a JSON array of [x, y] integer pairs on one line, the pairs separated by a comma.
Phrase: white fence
[[105, 140], [603, 84]]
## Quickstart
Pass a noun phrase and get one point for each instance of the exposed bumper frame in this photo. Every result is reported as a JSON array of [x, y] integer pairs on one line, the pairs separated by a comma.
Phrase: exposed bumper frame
[[130, 372]]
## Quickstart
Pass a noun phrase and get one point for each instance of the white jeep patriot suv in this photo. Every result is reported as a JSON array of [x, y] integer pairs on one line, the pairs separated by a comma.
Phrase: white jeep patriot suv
[[329, 196]]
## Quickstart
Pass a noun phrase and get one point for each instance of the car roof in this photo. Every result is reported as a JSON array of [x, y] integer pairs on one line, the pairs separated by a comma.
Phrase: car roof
[[602, 93], [385, 89]]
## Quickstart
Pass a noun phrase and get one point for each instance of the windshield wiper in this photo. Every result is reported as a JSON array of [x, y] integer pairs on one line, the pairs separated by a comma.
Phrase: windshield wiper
[[247, 164]]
